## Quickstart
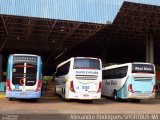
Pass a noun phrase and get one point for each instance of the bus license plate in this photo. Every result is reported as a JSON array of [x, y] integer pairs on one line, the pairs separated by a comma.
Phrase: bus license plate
[[85, 87], [143, 95], [86, 95], [23, 94]]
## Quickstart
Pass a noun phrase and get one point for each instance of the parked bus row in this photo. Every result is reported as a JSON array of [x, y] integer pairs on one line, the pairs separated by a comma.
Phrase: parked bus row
[[80, 78]]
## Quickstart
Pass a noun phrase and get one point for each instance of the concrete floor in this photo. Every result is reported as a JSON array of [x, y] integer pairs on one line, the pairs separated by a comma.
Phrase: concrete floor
[[56, 105]]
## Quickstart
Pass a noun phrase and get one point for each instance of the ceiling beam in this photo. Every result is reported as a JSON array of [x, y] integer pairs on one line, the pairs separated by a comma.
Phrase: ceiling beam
[[5, 41]]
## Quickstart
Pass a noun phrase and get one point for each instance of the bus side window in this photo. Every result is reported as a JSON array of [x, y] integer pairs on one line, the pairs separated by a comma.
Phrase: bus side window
[[63, 70], [124, 71], [118, 73]]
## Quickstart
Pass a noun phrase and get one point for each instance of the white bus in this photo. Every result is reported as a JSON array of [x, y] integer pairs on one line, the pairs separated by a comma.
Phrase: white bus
[[134, 81], [79, 78]]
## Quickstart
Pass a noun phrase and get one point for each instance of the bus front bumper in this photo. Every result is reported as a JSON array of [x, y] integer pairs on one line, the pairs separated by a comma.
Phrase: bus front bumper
[[23, 94]]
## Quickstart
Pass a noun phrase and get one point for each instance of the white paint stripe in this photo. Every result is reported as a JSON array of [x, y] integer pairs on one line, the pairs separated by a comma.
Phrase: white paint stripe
[[25, 70]]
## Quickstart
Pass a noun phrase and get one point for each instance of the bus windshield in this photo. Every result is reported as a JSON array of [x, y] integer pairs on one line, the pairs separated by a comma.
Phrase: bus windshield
[[24, 68], [81, 63], [142, 68]]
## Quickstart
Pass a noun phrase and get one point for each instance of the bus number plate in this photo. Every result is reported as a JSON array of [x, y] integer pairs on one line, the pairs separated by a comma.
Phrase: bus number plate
[[86, 95], [85, 87], [23, 94]]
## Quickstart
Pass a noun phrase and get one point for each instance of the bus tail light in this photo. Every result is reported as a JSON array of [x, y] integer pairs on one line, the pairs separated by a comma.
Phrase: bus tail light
[[39, 86], [8, 85], [99, 87], [72, 86], [154, 89], [130, 89]]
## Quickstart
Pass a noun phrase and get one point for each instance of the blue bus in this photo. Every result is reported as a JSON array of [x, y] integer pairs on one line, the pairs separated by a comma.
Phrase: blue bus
[[24, 76], [135, 81]]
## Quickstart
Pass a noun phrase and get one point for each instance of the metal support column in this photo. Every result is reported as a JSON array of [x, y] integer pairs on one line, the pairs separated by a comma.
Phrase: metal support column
[[150, 48], [103, 54]]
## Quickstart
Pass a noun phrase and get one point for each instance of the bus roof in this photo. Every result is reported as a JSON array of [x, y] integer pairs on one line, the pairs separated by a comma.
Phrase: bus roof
[[125, 64], [74, 58], [23, 55]]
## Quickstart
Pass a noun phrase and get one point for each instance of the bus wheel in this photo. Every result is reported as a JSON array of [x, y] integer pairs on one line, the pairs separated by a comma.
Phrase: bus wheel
[[89, 101], [63, 95], [67, 100], [136, 100], [35, 100], [11, 99], [115, 96], [55, 93]]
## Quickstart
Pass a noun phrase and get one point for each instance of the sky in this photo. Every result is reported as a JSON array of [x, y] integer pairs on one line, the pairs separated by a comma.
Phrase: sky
[[96, 11]]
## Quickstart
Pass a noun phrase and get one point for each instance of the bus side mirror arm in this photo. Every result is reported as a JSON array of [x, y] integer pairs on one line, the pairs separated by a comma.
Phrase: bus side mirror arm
[[54, 75]]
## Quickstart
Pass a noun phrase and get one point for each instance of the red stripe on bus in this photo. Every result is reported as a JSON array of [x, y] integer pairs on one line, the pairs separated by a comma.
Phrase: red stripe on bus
[[22, 66]]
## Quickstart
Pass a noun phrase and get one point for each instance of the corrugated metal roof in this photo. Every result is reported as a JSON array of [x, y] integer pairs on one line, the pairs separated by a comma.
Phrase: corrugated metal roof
[[97, 11]]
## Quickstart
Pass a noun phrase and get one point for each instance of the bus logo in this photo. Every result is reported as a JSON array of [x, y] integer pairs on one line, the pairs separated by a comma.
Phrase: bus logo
[[17, 86], [86, 72]]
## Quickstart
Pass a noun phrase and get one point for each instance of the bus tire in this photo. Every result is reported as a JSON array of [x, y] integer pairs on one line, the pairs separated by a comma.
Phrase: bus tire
[[115, 96], [66, 100], [63, 95], [89, 101], [136, 100], [55, 92], [35, 100], [11, 99]]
